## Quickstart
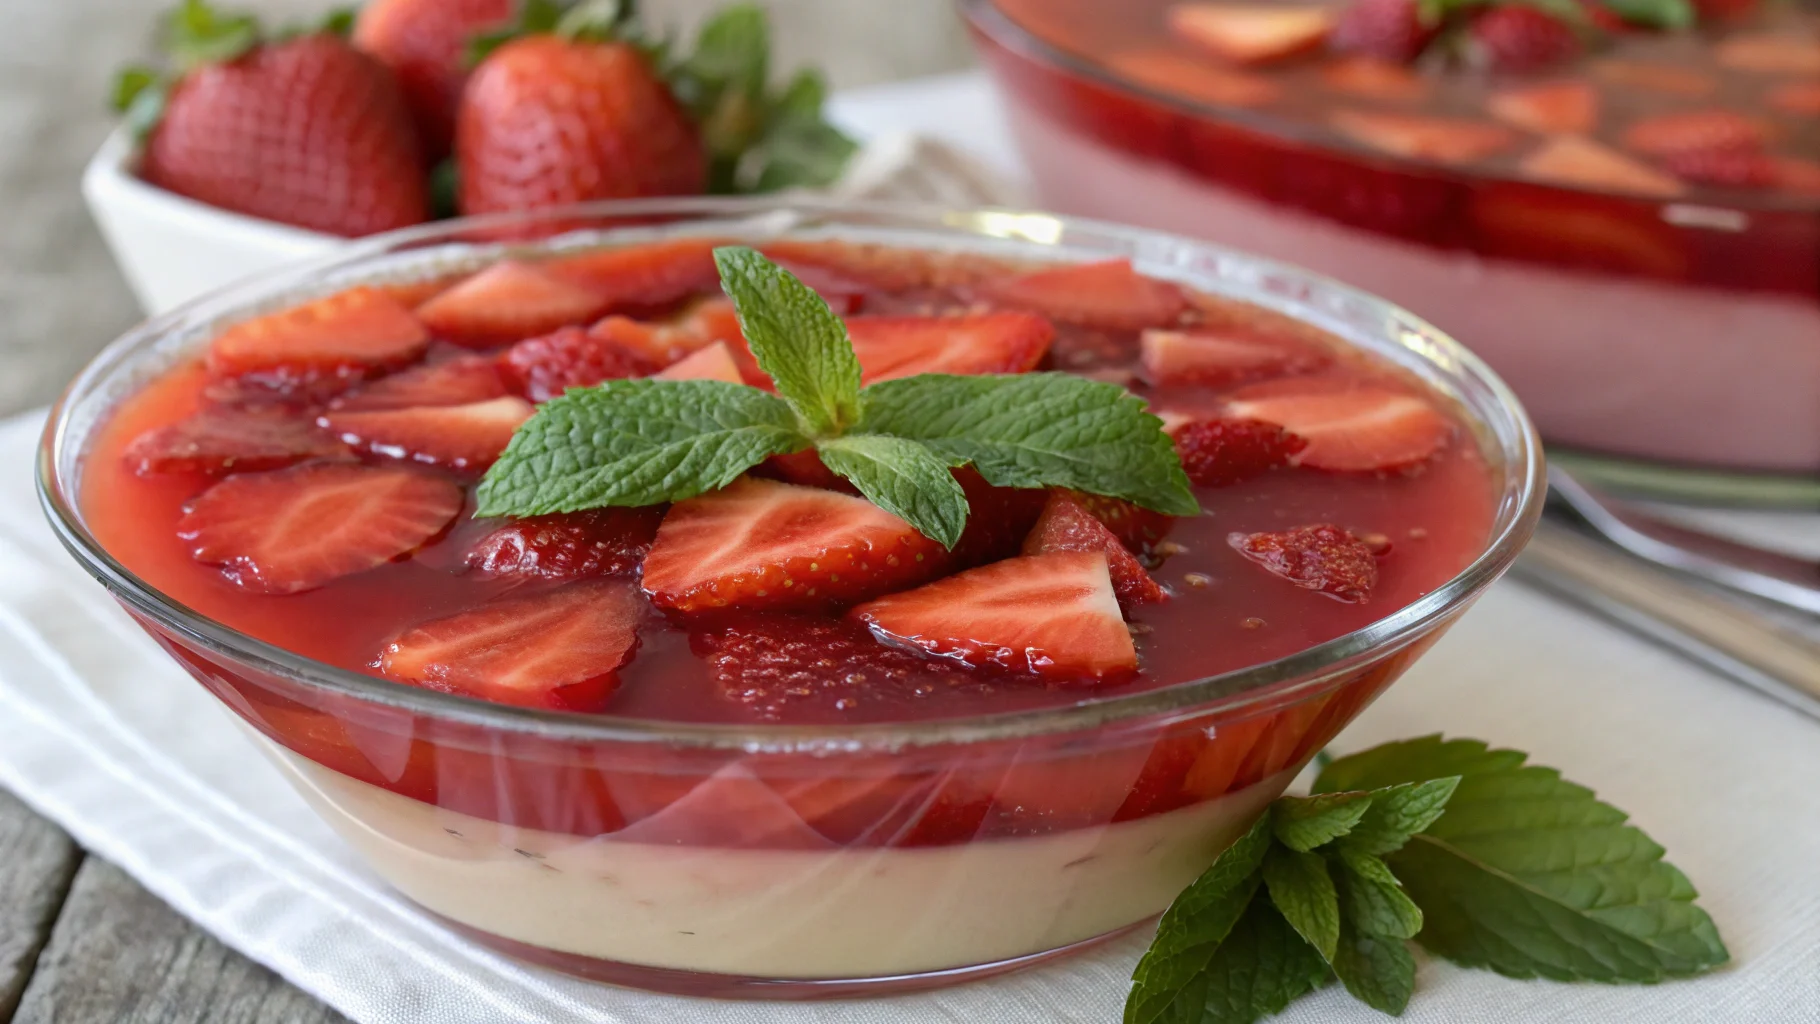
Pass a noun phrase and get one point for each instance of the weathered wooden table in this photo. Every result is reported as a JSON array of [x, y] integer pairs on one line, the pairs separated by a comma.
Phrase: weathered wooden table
[[81, 942]]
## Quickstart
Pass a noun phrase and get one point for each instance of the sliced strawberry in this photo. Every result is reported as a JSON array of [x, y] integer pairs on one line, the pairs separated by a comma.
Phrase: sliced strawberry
[[643, 277], [544, 367], [507, 302], [298, 528], [1448, 140], [1551, 108], [1321, 557], [998, 519], [230, 440], [556, 649], [1349, 426], [1583, 163], [826, 668], [347, 336], [568, 545], [453, 436], [1732, 168], [1800, 98], [1771, 53], [1136, 527], [457, 381], [902, 346], [764, 544], [1695, 131], [1169, 71], [1799, 176], [1223, 356], [1251, 34], [714, 362], [1108, 294], [844, 295], [1222, 452], [1066, 526], [1055, 615], [1375, 79], [1668, 79]]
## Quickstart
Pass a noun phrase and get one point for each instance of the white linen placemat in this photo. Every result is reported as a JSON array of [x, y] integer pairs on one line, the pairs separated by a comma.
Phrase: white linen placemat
[[106, 736]]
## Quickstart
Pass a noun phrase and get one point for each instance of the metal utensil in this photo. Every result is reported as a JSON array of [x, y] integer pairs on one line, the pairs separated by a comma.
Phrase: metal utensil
[[1722, 634], [1784, 579]]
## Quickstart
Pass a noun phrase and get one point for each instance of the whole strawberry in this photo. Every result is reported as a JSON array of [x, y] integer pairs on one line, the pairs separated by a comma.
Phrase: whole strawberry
[[1391, 30], [308, 131], [1518, 37], [547, 120], [425, 43]]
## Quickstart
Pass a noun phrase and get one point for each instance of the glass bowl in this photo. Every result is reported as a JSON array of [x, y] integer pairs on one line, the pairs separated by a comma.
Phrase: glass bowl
[[797, 861], [1672, 338]]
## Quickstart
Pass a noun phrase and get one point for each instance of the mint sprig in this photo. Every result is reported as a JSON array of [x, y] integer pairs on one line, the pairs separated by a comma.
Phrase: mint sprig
[[642, 442], [1474, 854]]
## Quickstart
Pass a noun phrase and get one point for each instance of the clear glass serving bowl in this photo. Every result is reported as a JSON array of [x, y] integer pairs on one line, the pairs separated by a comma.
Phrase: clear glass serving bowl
[[1665, 344], [772, 860]]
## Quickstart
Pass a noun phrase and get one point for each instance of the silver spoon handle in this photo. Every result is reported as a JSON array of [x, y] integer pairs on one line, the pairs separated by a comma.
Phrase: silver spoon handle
[[1719, 633]]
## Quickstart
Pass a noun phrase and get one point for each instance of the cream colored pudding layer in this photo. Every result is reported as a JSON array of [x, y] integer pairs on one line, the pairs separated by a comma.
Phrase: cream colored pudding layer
[[1621, 365], [806, 913]]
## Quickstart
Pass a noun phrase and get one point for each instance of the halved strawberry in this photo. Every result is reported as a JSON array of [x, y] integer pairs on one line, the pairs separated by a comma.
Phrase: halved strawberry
[[1349, 425], [457, 381], [556, 649], [507, 302], [543, 367], [1251, 34], [826, 668], [457, 437], [568, 545], [298, 528], [347, 336], [1572, 160], [1223, 356], [1568, 107], [1108, 294], [902, 346], [1448, 140], [1136, 527], [1322, 557], [764, 544], [714, 362], [1222, 452], [1054, 615], [230, 440], [1695, 131], [1066, 526], [643, 277]]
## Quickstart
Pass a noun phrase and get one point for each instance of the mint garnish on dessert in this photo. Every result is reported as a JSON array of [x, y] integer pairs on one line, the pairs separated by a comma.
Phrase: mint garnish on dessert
[[1475, 855], [643, 442]]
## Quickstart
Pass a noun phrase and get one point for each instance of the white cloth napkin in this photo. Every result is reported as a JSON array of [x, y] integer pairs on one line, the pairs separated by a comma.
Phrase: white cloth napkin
[[101, 732]]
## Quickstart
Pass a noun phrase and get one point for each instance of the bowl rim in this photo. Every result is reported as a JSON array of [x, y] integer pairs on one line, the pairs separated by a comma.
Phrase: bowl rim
[[1273, 683], [990, 20]]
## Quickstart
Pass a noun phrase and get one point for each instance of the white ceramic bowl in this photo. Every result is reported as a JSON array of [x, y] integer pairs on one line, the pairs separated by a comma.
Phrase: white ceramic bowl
[[174, 249]]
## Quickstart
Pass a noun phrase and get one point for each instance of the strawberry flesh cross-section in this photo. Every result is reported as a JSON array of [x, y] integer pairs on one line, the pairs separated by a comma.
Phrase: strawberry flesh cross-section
[[1349, 426], [1066, 526], [555, 649], [459, 437], [506, 302], [902, 346], [1053, 615], [347, 336], [764, 544]]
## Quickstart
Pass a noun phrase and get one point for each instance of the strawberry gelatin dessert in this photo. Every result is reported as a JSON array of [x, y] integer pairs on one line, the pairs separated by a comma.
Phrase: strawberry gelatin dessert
[[1621, 217], [696, 708]]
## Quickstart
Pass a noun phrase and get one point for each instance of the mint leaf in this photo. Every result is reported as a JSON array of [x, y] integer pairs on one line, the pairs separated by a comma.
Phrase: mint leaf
[[1674, 14], [1305, 822], [1038, 430], [1533, 876], [196, 33], [905, 479], [1303, 892], [733, 49], [1261, 967], [1376, 969], [1192, 929], [1399, 812], [1371, 898], [636, 442], [796, 339]]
